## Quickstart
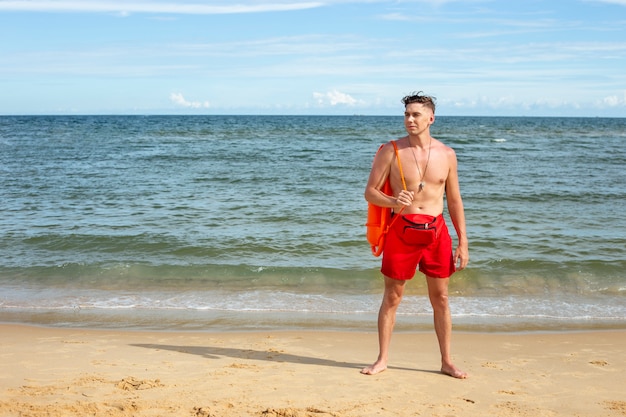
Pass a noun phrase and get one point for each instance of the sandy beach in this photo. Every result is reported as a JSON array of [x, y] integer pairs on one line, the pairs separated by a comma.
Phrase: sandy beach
[[74, 372]]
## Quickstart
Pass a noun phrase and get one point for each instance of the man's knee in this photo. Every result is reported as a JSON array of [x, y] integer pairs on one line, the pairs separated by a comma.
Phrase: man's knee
[[393, 291], [439, 300], [392, 300], [438, 292]]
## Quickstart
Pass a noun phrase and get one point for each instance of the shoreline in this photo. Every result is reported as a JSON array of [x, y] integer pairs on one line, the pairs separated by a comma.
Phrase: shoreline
[[401, 327], [63, 372], [138, 319], [311, 329]]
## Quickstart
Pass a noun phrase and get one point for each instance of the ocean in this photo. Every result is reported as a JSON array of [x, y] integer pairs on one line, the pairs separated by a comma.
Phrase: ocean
[[240, 223]]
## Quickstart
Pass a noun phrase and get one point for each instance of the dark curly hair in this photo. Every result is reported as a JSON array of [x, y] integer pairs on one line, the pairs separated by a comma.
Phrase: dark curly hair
[[420, 98]]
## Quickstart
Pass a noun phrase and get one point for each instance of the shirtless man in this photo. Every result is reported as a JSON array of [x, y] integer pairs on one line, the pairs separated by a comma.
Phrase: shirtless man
[[430, 171]]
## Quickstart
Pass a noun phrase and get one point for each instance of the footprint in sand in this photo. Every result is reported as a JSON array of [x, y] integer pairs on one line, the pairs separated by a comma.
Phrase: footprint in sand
[[134, 384]]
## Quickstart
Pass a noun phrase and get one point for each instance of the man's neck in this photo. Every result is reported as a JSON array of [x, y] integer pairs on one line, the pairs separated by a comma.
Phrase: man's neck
[[422, 140]]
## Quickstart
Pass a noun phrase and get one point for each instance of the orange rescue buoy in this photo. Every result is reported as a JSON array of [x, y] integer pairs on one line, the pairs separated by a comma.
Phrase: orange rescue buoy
[[379, 218]]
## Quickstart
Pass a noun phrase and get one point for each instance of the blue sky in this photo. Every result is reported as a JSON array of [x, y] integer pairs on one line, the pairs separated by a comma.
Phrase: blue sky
[[478, 57]]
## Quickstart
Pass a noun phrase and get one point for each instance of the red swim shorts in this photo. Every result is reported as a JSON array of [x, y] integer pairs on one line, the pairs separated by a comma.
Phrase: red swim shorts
[[401, 259]]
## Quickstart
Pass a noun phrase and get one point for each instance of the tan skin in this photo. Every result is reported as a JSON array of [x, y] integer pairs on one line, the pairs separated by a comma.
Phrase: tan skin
[[440, 178]]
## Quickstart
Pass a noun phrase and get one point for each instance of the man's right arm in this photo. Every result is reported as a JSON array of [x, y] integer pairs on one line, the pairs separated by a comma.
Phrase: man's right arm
[[378, 175]]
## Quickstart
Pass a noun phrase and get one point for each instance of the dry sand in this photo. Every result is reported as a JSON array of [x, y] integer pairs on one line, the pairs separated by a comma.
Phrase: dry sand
[[70, 372]]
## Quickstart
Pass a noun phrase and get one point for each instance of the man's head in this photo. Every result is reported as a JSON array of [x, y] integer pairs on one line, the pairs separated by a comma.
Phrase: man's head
[[420, 98]]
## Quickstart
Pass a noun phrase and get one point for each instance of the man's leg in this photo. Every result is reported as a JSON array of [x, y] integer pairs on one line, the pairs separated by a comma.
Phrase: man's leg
[[438, 294], [386, 321]]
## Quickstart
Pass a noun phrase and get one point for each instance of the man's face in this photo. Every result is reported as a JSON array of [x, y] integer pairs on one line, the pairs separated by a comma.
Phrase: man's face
[[417, 118]]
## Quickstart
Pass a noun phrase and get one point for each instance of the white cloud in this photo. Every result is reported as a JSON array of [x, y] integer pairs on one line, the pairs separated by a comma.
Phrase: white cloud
[[436, 3], [513, 104], [179, 100], [334, 98], [618, 2], [614, 101], [124, 8]]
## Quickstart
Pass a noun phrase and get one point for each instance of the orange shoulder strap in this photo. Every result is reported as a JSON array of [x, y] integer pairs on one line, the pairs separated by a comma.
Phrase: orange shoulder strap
[[395, 147]]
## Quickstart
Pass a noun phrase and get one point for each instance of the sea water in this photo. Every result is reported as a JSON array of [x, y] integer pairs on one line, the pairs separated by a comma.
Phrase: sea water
[[257, 222]]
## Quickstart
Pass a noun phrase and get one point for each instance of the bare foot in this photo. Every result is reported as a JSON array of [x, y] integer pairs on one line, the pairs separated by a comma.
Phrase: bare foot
[[453, 371], [376, 368]]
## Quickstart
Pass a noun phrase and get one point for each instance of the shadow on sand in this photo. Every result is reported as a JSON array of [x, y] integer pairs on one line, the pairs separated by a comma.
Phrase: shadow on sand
[[264, 355]]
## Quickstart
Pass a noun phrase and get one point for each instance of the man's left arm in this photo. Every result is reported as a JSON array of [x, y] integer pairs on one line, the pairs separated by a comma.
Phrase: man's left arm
[[457, 212]]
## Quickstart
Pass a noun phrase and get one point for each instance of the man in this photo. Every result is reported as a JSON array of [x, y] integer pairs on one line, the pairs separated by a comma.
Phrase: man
[[430, 171]]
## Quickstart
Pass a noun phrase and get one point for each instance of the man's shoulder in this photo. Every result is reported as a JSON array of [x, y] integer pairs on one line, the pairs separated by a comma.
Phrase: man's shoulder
[[385, 152], [389, 146], [401, 143], [442, 146]]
